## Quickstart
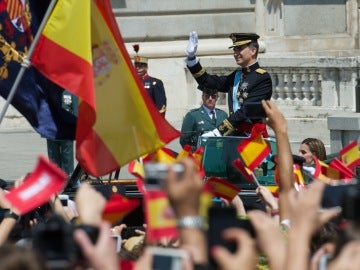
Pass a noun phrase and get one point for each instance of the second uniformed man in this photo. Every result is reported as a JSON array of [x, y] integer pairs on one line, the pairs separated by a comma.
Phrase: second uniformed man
[[201, 120], [248, 83], [153, 86]]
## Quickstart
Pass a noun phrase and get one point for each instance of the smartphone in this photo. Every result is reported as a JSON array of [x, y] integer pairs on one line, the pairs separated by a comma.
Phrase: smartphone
[[221, 218], [254, 110], [168, 258], [117, 239], [323, 262], [128, 232], [64, 198]]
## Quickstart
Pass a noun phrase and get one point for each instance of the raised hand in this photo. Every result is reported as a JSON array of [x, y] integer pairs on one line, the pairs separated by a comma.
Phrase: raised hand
[[192, 45]]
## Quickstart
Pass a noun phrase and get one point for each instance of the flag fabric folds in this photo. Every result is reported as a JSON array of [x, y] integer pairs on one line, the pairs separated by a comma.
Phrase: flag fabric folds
[[117, 121], [36, 98], [222, 188], [117, 207], [349, 155], [253, 151], [46, 180]]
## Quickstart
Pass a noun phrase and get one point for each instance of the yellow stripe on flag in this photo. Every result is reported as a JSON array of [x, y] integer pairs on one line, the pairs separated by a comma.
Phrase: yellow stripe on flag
[[62, 28]]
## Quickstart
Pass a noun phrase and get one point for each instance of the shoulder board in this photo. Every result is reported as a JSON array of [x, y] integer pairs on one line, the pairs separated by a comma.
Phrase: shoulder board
[[260, 70]]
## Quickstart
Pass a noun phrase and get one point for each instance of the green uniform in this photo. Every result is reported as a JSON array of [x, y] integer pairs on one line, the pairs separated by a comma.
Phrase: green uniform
[[61, 152], [196, 122]]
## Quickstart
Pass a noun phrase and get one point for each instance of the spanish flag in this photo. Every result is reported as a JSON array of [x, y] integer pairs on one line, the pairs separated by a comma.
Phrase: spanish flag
[[245, 171], [253, 151], [118, 207], [159, 215], [349, 155], [81, 50], [221, 188], [136, 168], [344, 171]]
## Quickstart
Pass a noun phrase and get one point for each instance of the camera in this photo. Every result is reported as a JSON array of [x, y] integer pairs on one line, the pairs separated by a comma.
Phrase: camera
[[156, 172], [54, 240]]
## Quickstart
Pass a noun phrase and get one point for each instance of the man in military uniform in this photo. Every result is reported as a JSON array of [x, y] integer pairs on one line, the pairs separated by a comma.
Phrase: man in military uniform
[[61, 152], [248, 83], [203, 119], [153, 86]]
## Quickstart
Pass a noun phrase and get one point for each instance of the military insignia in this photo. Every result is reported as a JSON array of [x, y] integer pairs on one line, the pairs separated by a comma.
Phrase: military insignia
[[154, 83], [147, 85], [242, 93], [260, 70]]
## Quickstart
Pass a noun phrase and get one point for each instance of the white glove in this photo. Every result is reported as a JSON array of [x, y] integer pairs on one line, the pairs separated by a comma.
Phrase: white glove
[[213, 133], [192, 44]]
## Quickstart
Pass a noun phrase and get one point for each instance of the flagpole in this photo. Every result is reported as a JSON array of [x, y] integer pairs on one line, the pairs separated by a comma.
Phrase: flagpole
[[26, 62]]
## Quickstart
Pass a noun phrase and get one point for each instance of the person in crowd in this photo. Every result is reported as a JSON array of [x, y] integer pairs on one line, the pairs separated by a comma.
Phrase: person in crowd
[[249, 83], [202, 119], [153, 86], [310, 148]]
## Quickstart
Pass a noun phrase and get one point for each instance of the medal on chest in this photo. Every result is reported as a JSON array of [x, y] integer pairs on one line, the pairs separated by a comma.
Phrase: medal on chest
[[242, 92]]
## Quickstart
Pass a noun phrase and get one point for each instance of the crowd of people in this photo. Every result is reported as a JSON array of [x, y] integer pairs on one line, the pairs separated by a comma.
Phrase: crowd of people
[[293, 232]]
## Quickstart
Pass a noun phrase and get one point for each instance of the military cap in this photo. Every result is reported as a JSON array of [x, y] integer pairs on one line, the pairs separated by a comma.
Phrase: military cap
[[207, 90], [239, 39], [138, 58]]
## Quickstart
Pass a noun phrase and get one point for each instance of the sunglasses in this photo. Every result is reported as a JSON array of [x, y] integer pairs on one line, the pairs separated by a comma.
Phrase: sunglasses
[[213, 96]]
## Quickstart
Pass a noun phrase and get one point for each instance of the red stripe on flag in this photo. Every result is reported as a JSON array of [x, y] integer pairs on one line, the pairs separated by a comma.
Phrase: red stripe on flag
[[93, 154], [73, 79]]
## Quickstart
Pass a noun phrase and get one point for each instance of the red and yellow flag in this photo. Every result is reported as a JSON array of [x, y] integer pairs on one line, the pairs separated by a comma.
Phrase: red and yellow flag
[[350, 156], [118, 207], [159, 215], [221, 188], [81, 49], [253, 151], [245, 171], [344, 171]]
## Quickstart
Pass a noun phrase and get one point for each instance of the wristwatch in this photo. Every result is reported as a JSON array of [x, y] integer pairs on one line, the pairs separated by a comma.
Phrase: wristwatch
[[10, 214], [190, 222]]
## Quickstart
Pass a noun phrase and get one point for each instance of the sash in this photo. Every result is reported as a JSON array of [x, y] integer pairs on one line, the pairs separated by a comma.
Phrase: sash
[[236, 104]]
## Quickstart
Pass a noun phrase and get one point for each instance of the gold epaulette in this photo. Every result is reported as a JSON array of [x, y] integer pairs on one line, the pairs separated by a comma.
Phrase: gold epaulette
[[198, 74], [260, 70]]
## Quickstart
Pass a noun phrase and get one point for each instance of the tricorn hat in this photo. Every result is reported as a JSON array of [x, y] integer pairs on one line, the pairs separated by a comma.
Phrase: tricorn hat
[[207, 90], [239, 39], [138, 58]]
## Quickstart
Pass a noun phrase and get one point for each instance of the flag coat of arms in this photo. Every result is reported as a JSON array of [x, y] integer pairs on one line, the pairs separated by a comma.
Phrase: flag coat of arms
[[117, 121]]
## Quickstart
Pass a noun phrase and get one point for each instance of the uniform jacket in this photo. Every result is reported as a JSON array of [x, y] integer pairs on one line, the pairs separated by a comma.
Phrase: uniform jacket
[[256, 84], [196, 122], [155, 89]]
